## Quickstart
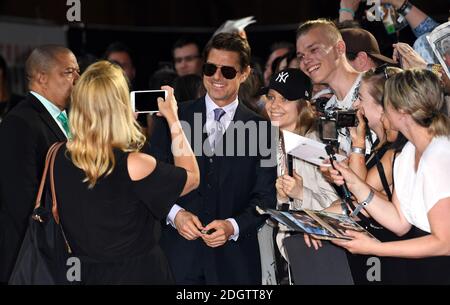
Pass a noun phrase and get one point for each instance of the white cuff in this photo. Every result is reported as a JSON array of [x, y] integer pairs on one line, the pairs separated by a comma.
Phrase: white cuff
[[170, 219], [235, 236]]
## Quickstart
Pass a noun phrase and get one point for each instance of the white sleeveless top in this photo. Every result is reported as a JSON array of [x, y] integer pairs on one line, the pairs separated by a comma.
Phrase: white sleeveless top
[[419, 191]]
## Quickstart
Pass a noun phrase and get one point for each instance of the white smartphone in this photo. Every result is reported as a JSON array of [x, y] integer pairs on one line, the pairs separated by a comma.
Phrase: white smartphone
[[146, 101]]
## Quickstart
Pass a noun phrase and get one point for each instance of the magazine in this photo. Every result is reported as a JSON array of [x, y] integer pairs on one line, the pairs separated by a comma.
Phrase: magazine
[[323, 225], [307, 149], [439, 40]]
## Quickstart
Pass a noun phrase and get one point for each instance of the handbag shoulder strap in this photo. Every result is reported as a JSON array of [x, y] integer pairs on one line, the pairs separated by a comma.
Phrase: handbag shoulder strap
[[44, 175], [52, 182], [49, 163]]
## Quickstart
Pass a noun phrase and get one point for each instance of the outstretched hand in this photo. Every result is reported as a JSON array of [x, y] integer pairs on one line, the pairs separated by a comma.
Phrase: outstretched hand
[[407, 56], [358, 133], [311, 241], [360, 243]]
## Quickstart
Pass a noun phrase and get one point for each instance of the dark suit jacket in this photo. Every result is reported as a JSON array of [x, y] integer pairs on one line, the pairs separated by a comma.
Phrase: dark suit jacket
[[26, 133], [230, 187]]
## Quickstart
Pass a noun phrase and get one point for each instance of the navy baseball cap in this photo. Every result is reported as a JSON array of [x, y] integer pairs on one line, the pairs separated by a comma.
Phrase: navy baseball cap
[[291, 83]]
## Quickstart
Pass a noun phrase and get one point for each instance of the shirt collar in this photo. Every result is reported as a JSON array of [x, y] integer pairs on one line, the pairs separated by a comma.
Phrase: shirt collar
[[230, 109], [349, 99], [51, 108]]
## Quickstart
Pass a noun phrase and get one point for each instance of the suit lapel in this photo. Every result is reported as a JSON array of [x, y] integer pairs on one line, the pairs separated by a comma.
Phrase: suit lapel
[[199, 108], [46, 117], [225, 170], [239, 116]]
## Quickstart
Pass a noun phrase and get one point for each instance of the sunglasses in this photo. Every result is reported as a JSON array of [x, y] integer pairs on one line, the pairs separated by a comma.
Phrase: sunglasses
[[227, 71], [383, 69]]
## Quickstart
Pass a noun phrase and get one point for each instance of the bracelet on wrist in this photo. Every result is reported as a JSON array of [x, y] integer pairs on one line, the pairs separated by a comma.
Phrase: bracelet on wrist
[[363, 204], [358, 150], [368, 200], [347, 10], [405, 8]]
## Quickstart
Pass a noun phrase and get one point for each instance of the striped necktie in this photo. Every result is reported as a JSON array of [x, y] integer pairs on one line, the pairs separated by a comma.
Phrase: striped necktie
[[219, 128]]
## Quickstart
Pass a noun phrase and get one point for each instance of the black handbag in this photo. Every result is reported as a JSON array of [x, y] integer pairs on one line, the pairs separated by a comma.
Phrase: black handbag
[[44, 252]]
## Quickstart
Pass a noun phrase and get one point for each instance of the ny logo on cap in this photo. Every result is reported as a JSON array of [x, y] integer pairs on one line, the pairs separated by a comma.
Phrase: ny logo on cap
[[281, 78]]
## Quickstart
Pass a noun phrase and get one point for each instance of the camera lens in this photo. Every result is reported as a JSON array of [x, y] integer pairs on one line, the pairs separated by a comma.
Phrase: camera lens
[[320, 104]]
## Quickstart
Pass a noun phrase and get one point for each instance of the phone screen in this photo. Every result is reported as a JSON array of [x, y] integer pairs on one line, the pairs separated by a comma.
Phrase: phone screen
[[146, 101]]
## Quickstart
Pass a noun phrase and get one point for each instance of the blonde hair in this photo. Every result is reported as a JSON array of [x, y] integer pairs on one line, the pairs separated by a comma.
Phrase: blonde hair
[[419, 93], [306, 118], [330, 30], [376, 79], [101, 119]]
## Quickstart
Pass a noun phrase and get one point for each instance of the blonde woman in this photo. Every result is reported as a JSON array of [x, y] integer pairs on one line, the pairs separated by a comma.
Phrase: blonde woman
[[111, 197], [414, 103]]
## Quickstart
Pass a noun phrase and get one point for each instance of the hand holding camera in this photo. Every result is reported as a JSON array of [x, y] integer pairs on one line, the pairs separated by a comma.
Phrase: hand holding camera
[[358, 133]]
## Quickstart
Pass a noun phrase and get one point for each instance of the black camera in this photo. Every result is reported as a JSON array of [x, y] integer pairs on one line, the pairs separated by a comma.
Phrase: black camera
[[333, 121], [320, 104]]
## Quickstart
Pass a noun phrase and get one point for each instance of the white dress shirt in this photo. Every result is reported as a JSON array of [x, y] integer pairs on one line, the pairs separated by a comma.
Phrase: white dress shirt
[[52, 109]]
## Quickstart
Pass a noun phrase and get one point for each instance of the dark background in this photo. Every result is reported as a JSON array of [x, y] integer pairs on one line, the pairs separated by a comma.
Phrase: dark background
[[150, 28], [188, 13]]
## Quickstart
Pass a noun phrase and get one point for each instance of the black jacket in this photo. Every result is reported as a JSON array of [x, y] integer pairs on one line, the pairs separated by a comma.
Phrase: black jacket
[[230, 187], [26, 134]]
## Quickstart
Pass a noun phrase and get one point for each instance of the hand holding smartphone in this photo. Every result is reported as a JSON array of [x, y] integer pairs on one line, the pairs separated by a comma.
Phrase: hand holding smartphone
[[146, 101]]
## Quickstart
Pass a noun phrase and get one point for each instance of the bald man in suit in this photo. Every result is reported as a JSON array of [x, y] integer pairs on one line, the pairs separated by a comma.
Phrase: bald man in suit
[[26, 134]]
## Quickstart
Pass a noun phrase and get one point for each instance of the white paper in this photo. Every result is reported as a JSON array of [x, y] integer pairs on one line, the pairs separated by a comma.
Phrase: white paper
[[235, 26], [439, 40], [307, 149]]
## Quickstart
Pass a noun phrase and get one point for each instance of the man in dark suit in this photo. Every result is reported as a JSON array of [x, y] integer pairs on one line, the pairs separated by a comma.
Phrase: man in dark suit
[[26, 134], [211, 233]]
